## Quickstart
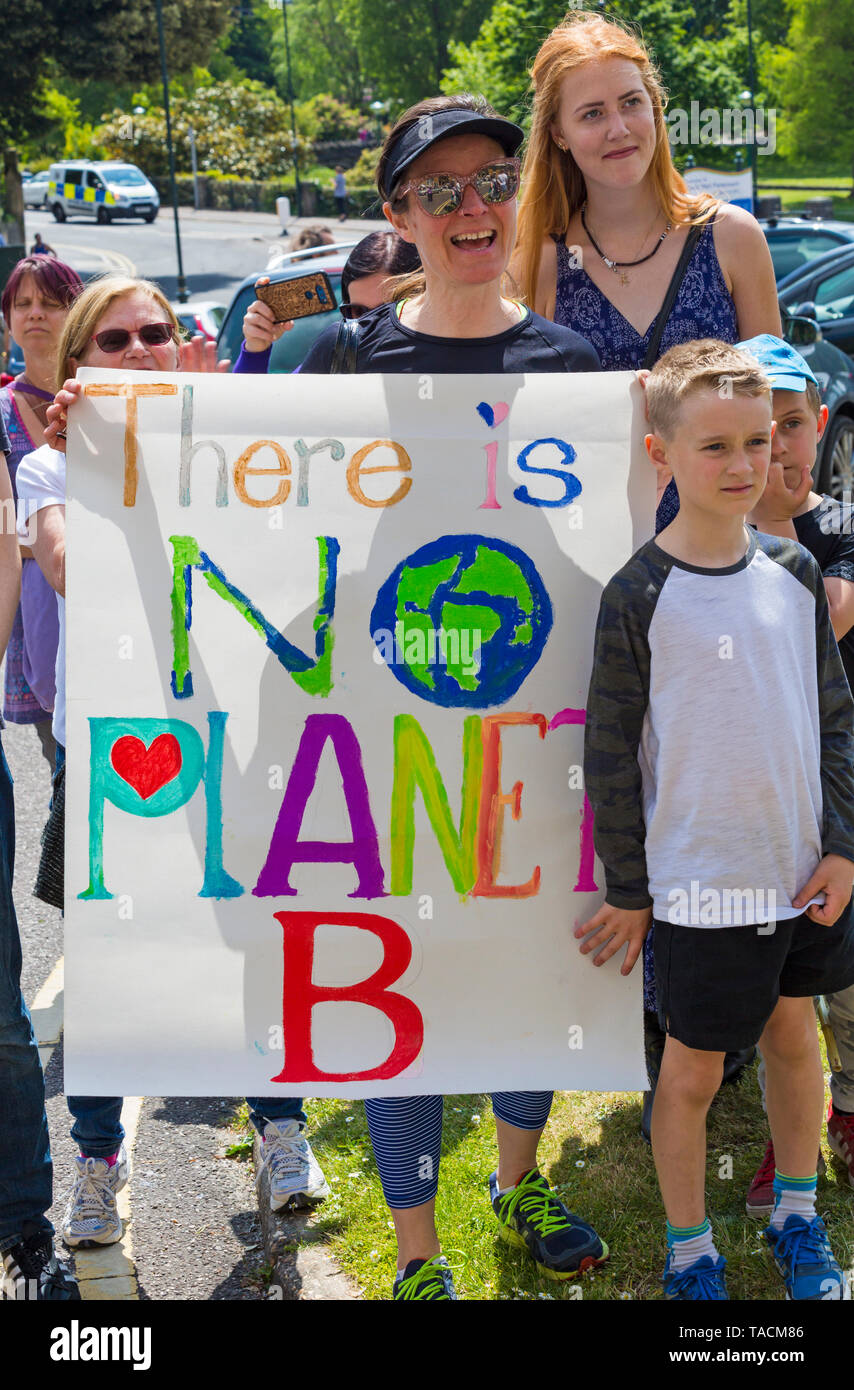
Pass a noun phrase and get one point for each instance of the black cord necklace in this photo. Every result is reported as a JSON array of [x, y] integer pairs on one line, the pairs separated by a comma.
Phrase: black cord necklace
[[617, 266]]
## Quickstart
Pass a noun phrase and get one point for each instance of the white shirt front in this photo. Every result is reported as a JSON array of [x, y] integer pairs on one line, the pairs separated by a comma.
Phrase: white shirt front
[[40, 481]]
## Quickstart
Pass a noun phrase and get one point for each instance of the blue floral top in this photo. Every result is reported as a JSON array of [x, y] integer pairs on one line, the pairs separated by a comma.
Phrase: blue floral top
[[703, 308]]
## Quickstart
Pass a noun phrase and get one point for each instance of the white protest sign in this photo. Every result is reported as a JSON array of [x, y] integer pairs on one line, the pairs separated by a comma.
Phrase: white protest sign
[[328, 650]]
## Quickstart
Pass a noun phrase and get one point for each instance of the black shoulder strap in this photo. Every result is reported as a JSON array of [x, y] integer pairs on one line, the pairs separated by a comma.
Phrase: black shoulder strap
[[691, 240], [346, 346]]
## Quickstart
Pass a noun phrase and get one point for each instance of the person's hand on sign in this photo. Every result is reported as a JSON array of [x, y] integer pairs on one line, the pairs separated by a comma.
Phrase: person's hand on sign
[[260, 330], [199, 355], [618, 926], [57, 414]]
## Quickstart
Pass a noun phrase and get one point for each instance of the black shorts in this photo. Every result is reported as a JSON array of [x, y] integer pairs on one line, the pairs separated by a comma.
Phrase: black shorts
[[718, 986]]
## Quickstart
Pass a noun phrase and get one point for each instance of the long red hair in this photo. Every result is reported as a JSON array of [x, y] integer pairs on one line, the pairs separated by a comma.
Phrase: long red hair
[[553, 187]]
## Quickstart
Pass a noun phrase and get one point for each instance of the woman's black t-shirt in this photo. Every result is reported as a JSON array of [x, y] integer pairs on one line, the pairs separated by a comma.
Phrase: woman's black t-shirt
[[534, 344]]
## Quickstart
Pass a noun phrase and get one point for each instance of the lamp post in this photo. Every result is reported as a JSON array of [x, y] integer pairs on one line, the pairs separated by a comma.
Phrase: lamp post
[[183, 296], [297, 192], [378, 108]]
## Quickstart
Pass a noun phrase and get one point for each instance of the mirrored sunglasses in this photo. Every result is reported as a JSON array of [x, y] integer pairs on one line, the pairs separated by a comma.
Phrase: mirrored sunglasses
[[117, 339], [442, 194]]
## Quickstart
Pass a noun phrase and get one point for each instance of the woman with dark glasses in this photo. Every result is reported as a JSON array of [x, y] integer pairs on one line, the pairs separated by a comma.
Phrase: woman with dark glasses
[[368, 275], [125, 323], [448, 176]]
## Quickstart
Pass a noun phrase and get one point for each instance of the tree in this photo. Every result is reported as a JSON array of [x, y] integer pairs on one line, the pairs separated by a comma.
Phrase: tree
[[405, 48], [26, 42], [498, 62], [247, 43], [242, 130], [817, 90], [119, 37]]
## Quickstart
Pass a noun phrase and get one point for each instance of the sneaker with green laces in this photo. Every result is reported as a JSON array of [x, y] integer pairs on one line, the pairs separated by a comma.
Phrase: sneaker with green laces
[[531, 1216], [427, 1280]]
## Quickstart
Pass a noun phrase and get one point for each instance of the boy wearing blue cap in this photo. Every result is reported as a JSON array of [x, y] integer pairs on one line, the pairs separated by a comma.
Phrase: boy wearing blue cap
[[739, 843], [789, 507]]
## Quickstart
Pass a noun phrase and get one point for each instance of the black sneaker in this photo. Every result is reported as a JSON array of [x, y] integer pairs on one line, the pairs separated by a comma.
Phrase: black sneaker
[[31, 1270], [429, 1281], [532, 1216]]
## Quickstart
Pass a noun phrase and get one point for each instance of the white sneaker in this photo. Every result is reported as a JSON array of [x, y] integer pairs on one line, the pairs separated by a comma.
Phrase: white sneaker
[[294, 1172], [91, 1217]]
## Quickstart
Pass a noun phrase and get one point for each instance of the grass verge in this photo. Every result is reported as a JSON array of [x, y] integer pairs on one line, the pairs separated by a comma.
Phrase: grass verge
[[592, 1153]]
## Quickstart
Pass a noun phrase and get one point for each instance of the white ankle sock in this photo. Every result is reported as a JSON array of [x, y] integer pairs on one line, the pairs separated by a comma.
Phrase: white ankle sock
[[685, 1252]]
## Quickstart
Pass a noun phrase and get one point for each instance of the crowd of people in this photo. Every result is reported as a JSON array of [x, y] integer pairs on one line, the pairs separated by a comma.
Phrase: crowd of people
[[611, 265]]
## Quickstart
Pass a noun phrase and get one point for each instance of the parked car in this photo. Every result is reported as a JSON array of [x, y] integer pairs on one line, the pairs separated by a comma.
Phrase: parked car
[[795, 241], [834, 371], [35, 188], [292, 348], [824, 291], [103, 189], [203, 317]]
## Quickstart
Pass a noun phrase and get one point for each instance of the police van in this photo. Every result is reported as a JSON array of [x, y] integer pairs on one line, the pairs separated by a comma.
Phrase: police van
[[103, 189]]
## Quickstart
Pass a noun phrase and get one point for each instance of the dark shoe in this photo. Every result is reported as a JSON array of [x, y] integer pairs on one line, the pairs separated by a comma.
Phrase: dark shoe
[[532, 1216], [31, 1271], [427, 1281], [736, 1064]]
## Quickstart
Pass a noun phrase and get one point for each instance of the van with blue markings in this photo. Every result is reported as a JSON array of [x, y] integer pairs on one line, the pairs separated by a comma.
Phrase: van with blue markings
[[102, 189]]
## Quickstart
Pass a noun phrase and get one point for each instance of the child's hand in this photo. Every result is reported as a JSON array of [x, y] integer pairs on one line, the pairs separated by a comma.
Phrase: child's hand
[[779, 503], [834, 877], [618, 926], [260, 331], [57, 413]]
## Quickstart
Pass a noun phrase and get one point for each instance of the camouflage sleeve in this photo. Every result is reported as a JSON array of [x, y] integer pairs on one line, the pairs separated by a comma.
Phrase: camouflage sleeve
[[836, 715], [616, 706]]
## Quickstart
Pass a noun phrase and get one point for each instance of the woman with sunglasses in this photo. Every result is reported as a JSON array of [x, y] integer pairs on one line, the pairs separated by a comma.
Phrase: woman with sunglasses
[[114, 322], [448, 176], [129, 324], [35, 302]]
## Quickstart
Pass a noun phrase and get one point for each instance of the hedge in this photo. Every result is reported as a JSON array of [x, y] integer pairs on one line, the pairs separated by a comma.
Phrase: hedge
[[259, 195]]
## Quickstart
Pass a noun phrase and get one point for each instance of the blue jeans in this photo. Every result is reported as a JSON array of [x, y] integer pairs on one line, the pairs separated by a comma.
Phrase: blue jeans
[[98, 1132], [264, 1108], [26, 1172]]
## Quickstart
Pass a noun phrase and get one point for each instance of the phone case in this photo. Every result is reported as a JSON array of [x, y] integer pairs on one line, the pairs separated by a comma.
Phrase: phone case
[[296, 299]]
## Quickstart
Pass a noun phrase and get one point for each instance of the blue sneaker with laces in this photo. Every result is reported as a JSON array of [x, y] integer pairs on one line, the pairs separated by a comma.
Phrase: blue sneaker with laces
[[531, 1216], [703, 1281], [804, 1258], [426, 1281]]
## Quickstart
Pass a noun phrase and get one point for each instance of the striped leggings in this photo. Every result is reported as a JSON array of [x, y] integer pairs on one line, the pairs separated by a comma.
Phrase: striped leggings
[[406, 1132]]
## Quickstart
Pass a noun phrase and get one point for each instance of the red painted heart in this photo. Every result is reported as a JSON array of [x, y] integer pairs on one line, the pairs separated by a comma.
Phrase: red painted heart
[[146, 769]]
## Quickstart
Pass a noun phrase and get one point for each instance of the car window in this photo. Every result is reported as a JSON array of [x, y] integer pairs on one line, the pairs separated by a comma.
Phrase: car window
[[92, 180], [124, 176], [217, 313], [834, 297], [791, 250], [293, 347]]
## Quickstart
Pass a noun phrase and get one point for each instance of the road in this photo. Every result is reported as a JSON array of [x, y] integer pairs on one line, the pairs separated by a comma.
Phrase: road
[[219, 248], [192, 1229]]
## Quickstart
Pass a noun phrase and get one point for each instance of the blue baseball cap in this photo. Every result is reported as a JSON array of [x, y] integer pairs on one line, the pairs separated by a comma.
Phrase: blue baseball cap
[[783, 366]]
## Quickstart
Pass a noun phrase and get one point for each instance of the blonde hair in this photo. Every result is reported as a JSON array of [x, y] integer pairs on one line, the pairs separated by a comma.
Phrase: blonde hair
[[88, 309], [553, 187], [704, 365]]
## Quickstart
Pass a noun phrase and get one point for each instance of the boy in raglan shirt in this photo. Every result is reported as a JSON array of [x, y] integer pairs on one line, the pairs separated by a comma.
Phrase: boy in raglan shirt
[[718, 761], [825, 525]]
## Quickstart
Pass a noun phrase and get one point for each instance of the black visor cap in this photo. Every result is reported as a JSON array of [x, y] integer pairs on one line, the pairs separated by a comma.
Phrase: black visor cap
[[428, 130]]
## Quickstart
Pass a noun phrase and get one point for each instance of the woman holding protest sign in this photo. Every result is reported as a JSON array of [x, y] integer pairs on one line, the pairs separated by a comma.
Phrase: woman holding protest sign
[[612, 242], [448, 176], [125, 324], [35, 302]]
